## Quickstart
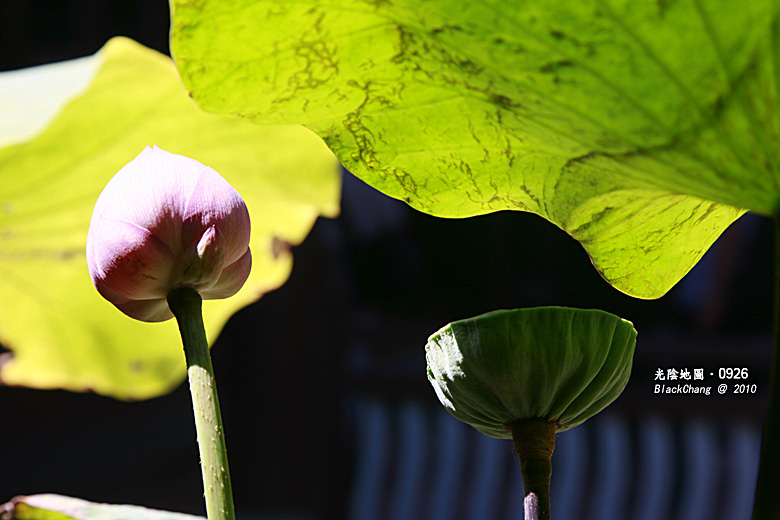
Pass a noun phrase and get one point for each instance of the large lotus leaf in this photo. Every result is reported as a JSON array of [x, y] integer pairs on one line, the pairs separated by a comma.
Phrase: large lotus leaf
[[62, 333], [58, 507], [642, 128], [558, 364]]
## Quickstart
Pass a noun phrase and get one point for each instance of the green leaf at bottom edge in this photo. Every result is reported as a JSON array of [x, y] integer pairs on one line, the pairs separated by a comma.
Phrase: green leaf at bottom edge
[[58, 507]]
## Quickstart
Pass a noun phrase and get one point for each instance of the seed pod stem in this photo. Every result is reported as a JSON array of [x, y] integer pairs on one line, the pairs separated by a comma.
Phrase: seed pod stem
[[185, 304], [534, 441]]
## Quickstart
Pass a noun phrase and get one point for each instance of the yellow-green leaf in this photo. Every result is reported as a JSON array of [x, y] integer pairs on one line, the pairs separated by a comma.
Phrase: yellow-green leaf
[[61, 332], [642, 128]]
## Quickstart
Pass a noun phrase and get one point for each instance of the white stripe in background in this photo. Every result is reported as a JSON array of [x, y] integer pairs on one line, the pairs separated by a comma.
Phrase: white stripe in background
[[656, 470], [613, 467], [447, 473], [411, 461]]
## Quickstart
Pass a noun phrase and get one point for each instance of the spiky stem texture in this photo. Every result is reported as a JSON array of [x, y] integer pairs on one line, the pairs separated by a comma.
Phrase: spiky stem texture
[[185, 304]]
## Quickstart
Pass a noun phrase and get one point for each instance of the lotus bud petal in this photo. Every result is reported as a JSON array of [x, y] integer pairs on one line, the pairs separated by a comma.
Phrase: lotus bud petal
[[202, 263], [553, 364], [166, 221], [138, 261], [230, 280]]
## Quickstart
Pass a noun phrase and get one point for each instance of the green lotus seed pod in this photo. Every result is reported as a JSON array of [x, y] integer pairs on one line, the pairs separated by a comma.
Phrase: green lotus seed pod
[[554, 364]]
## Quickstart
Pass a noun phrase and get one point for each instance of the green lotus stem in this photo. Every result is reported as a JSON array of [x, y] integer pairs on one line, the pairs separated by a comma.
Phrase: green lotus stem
[[767, 501], [534, 441], [185, 303]]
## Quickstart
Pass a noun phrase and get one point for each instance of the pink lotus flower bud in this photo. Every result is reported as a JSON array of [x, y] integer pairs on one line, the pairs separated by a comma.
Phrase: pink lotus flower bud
[[166, 221]]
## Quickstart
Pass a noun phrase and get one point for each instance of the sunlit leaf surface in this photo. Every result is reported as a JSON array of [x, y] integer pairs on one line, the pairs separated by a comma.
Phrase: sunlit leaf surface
[[642, 128], [61, 332]]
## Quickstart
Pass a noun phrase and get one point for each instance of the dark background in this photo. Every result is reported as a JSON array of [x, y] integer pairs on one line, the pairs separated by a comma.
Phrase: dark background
[[366, 291]]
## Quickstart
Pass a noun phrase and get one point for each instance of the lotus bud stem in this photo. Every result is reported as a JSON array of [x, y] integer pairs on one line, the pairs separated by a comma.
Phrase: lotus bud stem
[[185, 303]]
